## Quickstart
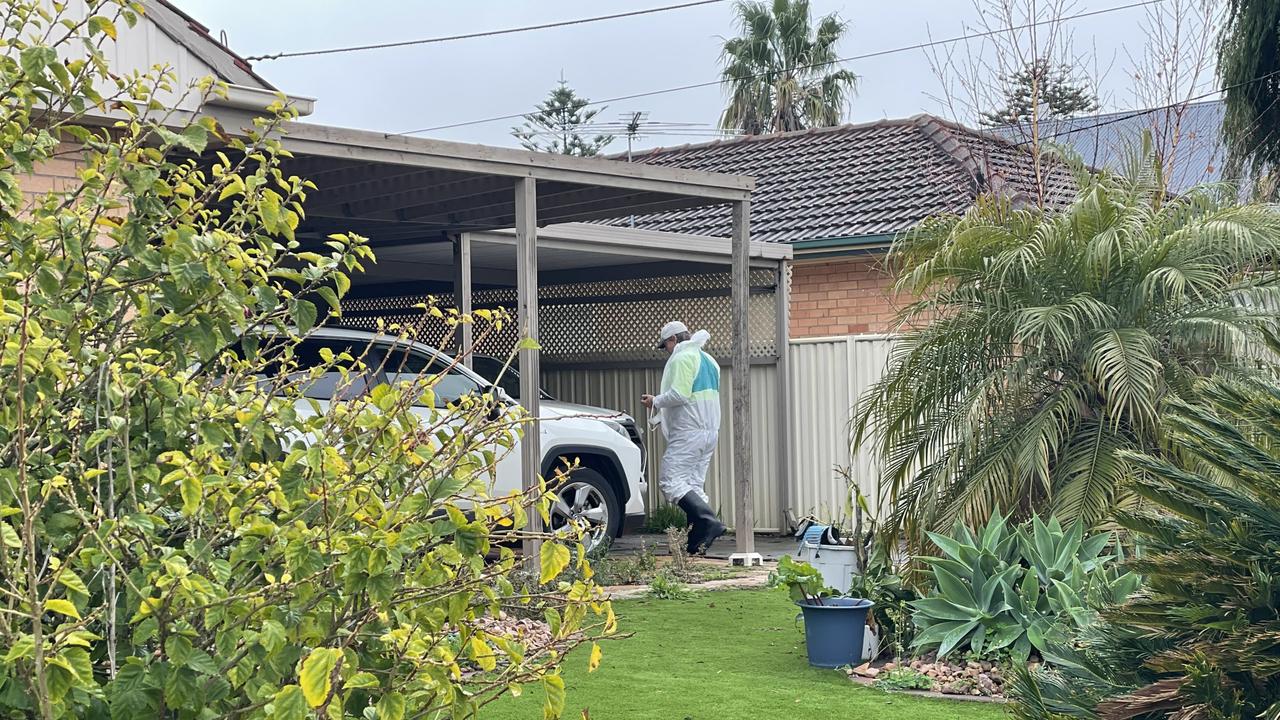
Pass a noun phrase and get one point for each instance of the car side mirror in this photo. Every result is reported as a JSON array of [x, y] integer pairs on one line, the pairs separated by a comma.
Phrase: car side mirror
[[495, 403]]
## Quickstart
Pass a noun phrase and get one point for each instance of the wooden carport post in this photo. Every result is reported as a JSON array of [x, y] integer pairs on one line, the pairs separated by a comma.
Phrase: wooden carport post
[[743, 504], [526, 208]]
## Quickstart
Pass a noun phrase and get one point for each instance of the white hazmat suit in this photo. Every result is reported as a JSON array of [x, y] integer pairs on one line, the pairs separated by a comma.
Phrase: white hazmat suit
[[688, 408]]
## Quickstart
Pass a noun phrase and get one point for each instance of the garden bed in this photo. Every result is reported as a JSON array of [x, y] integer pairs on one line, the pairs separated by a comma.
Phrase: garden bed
[[869, 682], [968, 679]]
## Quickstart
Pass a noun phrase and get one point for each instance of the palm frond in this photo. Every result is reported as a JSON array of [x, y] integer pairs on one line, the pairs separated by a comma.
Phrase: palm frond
[[778, 72], [1122, 301], [1125, 365], [1204, 633]]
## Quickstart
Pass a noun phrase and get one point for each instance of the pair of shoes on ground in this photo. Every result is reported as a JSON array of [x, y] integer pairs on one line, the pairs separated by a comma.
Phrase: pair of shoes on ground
[[706, 527]]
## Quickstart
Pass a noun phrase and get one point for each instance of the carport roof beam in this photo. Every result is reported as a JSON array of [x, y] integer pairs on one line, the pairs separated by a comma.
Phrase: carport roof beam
[[361, 147], [631, 242]]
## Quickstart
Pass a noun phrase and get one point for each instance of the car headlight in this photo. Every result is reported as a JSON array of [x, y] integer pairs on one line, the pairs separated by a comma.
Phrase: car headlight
[[617, 427]]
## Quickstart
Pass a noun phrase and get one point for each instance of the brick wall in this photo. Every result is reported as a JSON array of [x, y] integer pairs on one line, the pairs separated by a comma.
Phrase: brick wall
[[843, 296], [58, 173]]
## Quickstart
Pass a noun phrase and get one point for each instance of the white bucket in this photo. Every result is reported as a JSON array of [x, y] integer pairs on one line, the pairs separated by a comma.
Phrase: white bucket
[[837, 563]]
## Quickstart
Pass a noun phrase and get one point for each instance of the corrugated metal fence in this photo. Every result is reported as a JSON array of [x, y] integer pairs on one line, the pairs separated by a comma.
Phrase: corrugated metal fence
[[621, 388], [827, 376]]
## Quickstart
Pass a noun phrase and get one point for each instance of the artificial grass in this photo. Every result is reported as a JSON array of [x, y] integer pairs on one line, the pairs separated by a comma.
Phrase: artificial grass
[[726, 654]]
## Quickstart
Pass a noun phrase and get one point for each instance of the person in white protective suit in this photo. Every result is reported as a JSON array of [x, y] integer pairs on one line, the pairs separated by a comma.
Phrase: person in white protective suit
[[688, 409]]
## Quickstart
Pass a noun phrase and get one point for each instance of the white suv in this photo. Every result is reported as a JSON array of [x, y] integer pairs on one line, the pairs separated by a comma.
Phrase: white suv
[[606, 491]]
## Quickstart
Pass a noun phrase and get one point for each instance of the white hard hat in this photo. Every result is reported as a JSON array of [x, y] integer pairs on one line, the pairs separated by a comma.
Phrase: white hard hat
[[670, 330]]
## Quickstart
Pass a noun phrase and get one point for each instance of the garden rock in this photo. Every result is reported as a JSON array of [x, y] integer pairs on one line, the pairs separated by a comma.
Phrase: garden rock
[[963, 677], [865, 670]]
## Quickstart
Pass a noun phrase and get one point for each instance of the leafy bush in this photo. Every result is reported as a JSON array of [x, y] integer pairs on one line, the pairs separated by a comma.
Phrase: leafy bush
[[618, 569], [881, 583], [664, 516], [1011, 591], [1200, 640], [641, 567], [803, 581], [183, 533], [666, 586], [1047, 340]]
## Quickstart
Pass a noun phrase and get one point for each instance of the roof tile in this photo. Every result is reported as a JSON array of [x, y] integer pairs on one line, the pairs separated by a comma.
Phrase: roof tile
[[854, 180]]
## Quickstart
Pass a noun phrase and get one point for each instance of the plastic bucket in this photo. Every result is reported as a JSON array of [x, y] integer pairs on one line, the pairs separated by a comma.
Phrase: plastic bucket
[[833, 631]]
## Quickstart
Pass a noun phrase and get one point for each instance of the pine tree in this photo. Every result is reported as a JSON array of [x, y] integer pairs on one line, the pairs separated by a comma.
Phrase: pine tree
[[555, 126], [1052, 88]]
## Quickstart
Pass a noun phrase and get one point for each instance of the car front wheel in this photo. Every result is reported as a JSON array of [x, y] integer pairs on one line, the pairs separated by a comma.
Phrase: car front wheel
[[585, 498]]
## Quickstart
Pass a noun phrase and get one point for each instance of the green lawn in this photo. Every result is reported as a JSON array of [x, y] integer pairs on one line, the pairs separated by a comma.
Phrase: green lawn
[[727, 654]]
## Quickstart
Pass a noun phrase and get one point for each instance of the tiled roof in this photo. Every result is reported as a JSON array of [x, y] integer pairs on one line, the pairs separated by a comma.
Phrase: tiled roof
[[190, 34], [873, 179]]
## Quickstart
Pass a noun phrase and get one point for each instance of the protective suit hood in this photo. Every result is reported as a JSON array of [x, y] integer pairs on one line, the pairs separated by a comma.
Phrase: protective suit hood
[[697, 340]]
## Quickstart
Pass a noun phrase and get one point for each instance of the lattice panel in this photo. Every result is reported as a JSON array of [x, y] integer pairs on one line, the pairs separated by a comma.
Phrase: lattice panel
[[621, 326], [436, 333], [627, 331]]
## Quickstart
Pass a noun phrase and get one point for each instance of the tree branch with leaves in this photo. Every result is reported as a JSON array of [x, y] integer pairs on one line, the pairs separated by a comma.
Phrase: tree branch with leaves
[[185, 529]]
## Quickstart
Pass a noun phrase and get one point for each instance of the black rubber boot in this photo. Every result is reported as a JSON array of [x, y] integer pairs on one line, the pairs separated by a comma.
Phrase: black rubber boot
[[694, 516], [706, 526]]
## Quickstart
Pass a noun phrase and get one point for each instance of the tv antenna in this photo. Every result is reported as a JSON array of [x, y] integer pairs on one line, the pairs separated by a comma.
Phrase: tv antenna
[[633, 121]]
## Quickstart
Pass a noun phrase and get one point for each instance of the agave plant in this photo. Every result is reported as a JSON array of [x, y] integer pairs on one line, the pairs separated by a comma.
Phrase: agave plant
[[970, 611], [1203, 639], [1054, 553], [1047, 341], [991, 550], [976, 603], [1012, 591]]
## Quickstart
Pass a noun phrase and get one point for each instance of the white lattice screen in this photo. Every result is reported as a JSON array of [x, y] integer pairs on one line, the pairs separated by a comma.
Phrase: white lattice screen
[[599, 322]]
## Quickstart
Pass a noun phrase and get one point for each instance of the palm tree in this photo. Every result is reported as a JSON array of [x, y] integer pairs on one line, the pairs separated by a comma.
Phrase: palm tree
[[779, 73], [1201, 635], [1046, 342]]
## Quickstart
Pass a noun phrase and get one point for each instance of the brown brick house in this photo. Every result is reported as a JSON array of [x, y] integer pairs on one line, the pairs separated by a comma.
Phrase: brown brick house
[[840, 195]]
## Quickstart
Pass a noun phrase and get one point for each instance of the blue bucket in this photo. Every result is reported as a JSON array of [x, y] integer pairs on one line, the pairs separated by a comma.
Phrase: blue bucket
[[833, 631]]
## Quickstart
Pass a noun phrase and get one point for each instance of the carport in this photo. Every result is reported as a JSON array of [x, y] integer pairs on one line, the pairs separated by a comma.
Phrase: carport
[[495, 226]]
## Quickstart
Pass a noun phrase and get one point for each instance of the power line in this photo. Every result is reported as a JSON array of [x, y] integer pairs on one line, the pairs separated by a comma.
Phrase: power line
[[487, 33], [865, 56]]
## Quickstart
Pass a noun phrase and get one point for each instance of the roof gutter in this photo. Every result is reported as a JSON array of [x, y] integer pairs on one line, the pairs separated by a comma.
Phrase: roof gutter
[[243, 97], [833, 247]]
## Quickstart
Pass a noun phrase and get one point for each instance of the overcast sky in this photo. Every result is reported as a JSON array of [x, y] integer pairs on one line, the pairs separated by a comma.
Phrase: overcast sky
[[403, 89]]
